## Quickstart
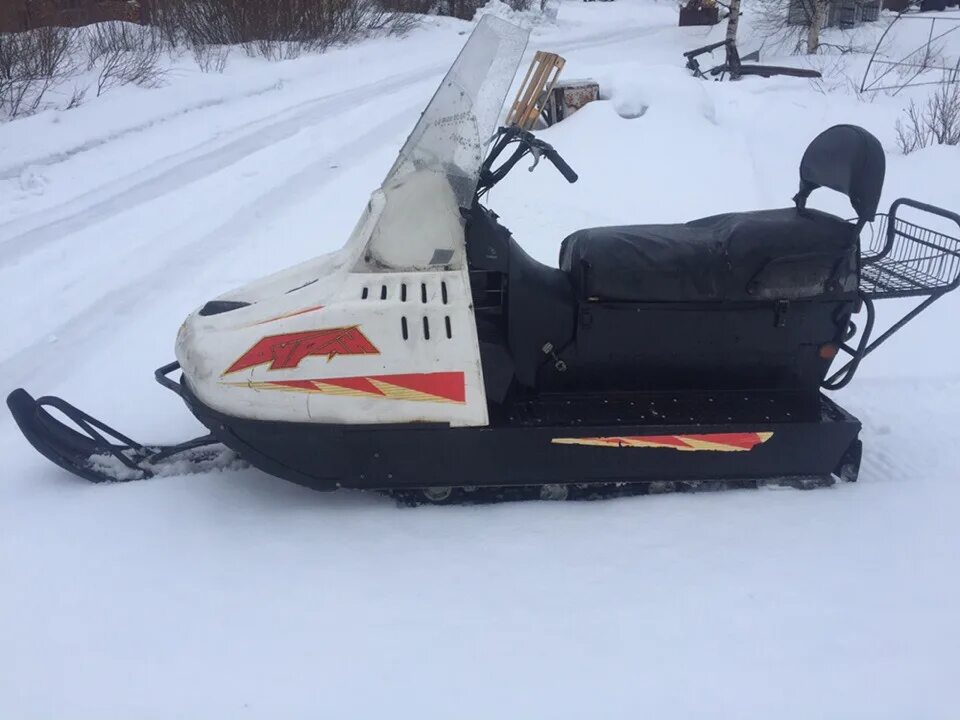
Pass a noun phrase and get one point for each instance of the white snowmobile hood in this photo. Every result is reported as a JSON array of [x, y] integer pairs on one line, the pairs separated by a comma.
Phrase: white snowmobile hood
[[383, 329]]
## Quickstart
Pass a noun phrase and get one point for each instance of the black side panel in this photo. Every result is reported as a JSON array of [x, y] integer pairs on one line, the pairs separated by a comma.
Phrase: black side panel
[[488, 242], [529, 456], [543, 449], [488, 254], [540, 310], [677, 346]]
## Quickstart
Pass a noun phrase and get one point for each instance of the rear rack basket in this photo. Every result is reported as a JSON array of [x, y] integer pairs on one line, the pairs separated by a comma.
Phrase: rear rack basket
[[900, 259]]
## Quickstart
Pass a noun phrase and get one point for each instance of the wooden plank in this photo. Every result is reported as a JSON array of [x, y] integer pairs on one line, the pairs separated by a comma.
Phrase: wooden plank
[[534, 92], [511, 116]]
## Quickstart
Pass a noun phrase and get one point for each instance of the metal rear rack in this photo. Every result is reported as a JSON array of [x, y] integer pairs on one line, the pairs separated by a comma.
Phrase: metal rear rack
[[900, 259]]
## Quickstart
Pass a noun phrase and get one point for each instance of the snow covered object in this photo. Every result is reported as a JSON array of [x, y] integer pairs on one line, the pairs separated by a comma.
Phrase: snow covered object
[[433, 358]]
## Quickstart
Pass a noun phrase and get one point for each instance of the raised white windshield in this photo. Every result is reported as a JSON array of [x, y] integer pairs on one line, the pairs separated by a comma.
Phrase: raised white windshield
[[436, 173]]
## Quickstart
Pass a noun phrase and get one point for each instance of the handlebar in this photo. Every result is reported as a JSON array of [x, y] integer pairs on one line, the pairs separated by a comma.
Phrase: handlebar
[[527, 144], [560, 164]]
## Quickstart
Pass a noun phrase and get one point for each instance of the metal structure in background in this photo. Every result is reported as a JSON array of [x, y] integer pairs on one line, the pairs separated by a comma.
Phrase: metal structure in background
[[567, 97], [915, 63], [734, 66], [840, 13]]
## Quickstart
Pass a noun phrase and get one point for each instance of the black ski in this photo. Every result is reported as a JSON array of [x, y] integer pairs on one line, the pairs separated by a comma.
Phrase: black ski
[[98, 453]]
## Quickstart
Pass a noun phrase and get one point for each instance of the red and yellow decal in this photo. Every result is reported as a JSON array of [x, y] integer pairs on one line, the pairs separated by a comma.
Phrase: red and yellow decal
[[710, 442], [288, 350], [444, 387], [303, 311]]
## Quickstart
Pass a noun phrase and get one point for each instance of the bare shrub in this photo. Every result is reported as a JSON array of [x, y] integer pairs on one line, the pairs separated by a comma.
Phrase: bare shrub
[[279, 29], [31, 63], [396, 17], [462, 9], [936, 122], [797, 27], [210, 58], [416, 7], [125, 54], [770, 20], [77, 97]]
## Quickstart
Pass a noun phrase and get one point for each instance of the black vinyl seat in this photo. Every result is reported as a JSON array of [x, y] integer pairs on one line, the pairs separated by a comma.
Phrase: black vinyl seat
[[768, 254], [787, 253]]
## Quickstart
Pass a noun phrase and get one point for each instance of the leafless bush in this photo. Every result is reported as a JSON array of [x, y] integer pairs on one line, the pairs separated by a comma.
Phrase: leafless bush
[[463, 9], [416, 7], [31, 63], [798, 26], [125, 54], [279, 29], [211, 58], [936, 122], [77, 97], [770, 21]]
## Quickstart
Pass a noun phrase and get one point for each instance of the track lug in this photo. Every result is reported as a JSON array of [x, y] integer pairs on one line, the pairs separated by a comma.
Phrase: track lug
[[554, 492]]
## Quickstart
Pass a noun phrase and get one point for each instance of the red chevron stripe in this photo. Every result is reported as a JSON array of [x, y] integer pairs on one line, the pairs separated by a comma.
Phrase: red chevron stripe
[[360, 384], [721, 441], [745, 441], [676, 441], [435, 387], [295, 384], [447, 385]]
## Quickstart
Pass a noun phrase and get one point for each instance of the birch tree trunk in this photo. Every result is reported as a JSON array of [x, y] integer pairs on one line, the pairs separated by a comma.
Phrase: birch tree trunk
[[816, 23], [733, 21]]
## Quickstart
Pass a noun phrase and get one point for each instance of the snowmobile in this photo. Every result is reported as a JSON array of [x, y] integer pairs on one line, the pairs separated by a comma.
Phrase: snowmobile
[[432, 358]]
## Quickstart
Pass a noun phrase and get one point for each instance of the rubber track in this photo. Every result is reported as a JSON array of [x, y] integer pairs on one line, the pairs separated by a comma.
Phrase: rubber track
[[599, 491]]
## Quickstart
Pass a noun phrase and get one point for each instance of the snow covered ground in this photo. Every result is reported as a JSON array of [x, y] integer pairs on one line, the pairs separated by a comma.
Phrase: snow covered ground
[[236, 595]]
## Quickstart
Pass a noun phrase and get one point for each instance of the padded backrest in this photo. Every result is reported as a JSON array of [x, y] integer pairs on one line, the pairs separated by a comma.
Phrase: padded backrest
[[848, 159]]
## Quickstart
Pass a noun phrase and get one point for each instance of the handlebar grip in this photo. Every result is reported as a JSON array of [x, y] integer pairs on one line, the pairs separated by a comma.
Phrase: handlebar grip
[[561, 165]]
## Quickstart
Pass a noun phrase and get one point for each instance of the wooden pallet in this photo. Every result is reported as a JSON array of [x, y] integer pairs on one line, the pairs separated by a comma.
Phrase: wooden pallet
[[535, 90]]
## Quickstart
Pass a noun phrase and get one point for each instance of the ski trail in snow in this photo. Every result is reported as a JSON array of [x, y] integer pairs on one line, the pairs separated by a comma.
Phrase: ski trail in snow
[[83, 328], [11, 172], [402, 79], [596, 40], [177, 172]]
